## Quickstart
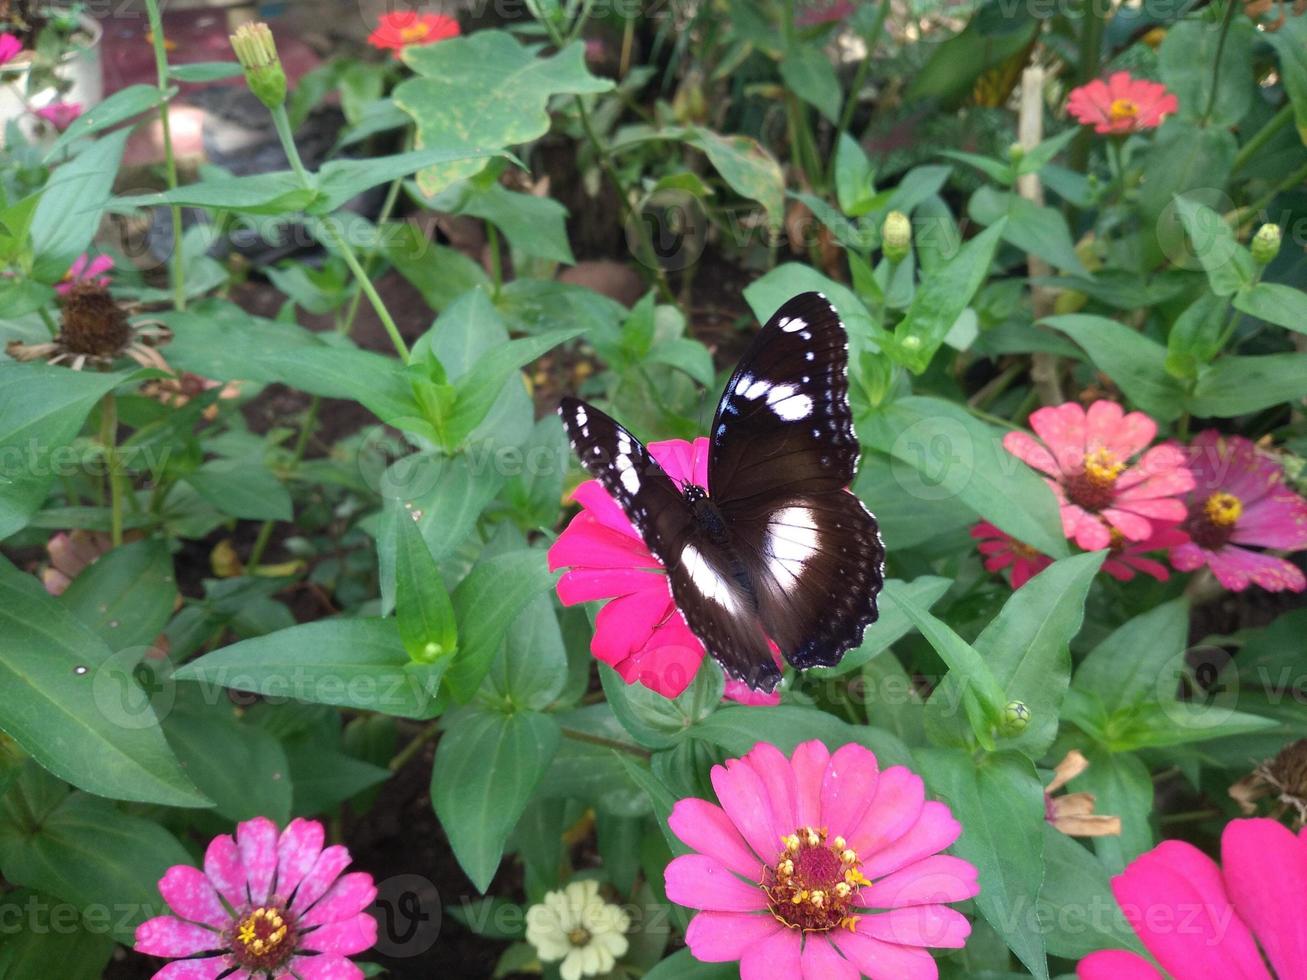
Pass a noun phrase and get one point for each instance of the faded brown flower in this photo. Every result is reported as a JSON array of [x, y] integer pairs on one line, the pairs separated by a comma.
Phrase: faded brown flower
[[1283, 779], [1073, 813]]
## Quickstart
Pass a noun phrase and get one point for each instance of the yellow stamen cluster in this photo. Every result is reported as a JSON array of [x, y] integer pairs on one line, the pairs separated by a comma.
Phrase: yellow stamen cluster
[[1102, 466], [814, 883], [248, 933], [1123, 109], [414, 32], [1223, 509], [1093, 487], [263, 939]]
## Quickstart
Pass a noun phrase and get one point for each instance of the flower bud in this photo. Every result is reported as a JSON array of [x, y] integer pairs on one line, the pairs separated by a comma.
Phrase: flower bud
[[1016, 153], [257, 52], [896, 236], [1266, 244], [1016, 718]]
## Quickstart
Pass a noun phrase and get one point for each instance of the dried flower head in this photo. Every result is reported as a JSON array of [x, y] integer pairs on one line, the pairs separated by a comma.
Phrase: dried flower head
[[1283, 778]]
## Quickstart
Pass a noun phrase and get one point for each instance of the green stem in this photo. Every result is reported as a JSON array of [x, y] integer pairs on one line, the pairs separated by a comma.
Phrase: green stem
[[607, 743], [170, 161], [369, 262], [1261, 138], [48, 321], [287, 136], [496, 263], [401, 758], [1226, 21], [1262, 203], [1091, 49], [297, 455], [109, 442]]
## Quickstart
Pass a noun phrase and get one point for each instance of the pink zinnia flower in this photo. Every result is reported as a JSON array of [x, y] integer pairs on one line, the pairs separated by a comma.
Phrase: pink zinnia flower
[[1125, 559], [86, 269], [641, 633], [60, 115], [1000, 550], [1241, 498], [9, 48], [265, 906], [1086, 456], [819, 865], [1201, 920], [1121, 104]]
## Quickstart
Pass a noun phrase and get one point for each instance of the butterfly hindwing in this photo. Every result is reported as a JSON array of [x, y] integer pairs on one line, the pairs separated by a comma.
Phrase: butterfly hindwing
[[703, 574]]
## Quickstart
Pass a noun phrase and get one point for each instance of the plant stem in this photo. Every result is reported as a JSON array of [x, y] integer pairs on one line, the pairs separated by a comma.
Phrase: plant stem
[[369, 263], [1237, 218], [109, 441], [1263, 136], [297, 454], [401, 757], [287, 136], [1226, 21], [607, 743], [170, 161], [496, 263]]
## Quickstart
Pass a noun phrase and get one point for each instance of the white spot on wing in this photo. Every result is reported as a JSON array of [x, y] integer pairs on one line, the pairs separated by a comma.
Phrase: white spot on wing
[[757, 390], [630, 480], [791, 542], [791, 324], [789, 403], [581, 416], [706, 578]]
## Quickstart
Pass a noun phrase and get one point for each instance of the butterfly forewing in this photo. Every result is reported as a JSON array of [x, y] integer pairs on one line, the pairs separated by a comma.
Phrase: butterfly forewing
[[704, 574]]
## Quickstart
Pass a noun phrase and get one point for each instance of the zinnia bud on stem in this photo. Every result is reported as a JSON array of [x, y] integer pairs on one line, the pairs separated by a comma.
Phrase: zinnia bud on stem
[[1016, 718], [896, 236], [1266, 244], [257, 52]]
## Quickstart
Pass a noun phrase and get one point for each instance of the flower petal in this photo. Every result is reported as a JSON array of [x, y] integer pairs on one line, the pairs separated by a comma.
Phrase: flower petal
[[701, 882], [209, 968], [774, 958], [809, 765], [935, 880], [344, 937], [350, 895], [778, 781], [191, 895], [1062, 427], [587, 584], [1265, 870], [744, 798], [885, 961], [166, 935], [720, 937], [1235, 568], [325, 966], [920, 925], [821, 961], [297, 850], [848, 788], [1116, 964], [897, 806], [1032, 452], [706, 828], [222, 866], [934, 830], [257, 842], [326, 869]]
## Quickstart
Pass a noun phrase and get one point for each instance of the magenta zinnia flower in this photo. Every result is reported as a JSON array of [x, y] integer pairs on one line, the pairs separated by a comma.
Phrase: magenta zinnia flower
[[9, 48], [1201, 920], [1125, 559], [1241, 499], [1086, 457], [86, 270], [60, 115], [819, 865], [641, 633], [1000, 550], [1121, 104], [265, 906]]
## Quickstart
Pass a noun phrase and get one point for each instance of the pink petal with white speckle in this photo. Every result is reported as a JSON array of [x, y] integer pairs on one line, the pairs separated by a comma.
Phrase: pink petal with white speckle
[[350, 895], [257, 842], [166, 935], [297, 851], [191, 895], [343, 938]]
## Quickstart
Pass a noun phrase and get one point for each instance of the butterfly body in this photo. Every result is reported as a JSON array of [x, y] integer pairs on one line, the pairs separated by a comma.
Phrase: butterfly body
[[775, 549]]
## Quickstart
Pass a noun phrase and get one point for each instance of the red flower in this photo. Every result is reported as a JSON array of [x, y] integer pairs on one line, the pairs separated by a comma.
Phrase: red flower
[[1086, 456], [640, 633], [1000, 550], [1121, 104], [1241, 499], [397, 31], [61, 115], [1125, 559]]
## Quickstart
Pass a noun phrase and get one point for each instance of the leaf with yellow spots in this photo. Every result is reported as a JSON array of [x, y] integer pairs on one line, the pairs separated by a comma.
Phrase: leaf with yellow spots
[[485, 92]]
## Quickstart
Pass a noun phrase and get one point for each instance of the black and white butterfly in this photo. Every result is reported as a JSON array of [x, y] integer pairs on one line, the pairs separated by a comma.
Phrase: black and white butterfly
[[775, 546]]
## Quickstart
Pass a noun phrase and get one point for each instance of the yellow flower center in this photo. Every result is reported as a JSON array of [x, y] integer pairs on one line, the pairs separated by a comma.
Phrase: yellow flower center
[[814, 884], [1223, 509], [1122, 109], [414, 32], [1093, 488], [579, 937], [263, 939]]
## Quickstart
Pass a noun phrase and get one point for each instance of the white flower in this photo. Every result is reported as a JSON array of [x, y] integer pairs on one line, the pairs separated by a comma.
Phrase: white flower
[[578, 927]]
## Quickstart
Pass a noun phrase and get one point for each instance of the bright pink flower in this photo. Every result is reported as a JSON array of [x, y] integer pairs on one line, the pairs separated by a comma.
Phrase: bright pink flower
[[1241, 499], [60, 115], [86, 269], [396, 31], [1125, 559], [640, 633], [1201, 920], [1086, 456], [1121, 104], [265, 906], [819, 865], [9, 48], [1000, 550]]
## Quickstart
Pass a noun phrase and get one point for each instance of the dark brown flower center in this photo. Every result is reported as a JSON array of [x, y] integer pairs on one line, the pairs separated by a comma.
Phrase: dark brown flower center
[[93, 323], [815, 883], [1211, 525], [1288, 771], [263, 938], [1093, 487]]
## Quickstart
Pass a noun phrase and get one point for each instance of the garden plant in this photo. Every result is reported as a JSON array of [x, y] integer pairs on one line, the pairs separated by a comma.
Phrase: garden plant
[[331, 647]]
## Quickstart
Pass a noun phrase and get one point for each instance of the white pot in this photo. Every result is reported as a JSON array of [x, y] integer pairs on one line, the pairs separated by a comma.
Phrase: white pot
[[80, 67]]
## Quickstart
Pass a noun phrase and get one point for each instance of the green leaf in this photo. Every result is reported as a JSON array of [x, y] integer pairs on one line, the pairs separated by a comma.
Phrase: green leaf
[[39, 934], [1290, 43], [535, 490], [808, 73], [485, 605], [277, 193], [1182, 159], [126, 596], [60, 700], [532, 668], [1035, 229], [658, 722], [957, 455], [1179, 723], [766, 295], [1275, 303], [855, 179], [424, 614], [1140, 659], [997, 169], [1000, 802], [1123, 787], [682, 965], [1239, 385], [324, 778], [94, 857], [71, 204], [1187, 60], [941, 298], [1229, 266], [240, 766], [248, 491], [535, 226], [484, 92], [1195, 337], [340, 181], [1034, 160], [351, 663], [747, 166], [119, 107], [892, 624], [1027, 648], [1129, 358], [736, 728], [441, 274], [487, 767], [1077, 901]]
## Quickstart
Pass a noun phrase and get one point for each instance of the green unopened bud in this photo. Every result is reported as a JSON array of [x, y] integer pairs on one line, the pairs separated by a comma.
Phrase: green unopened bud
[[1016, 153], [1266, 244], [257, 52], [1016, 717], [896, 236]]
